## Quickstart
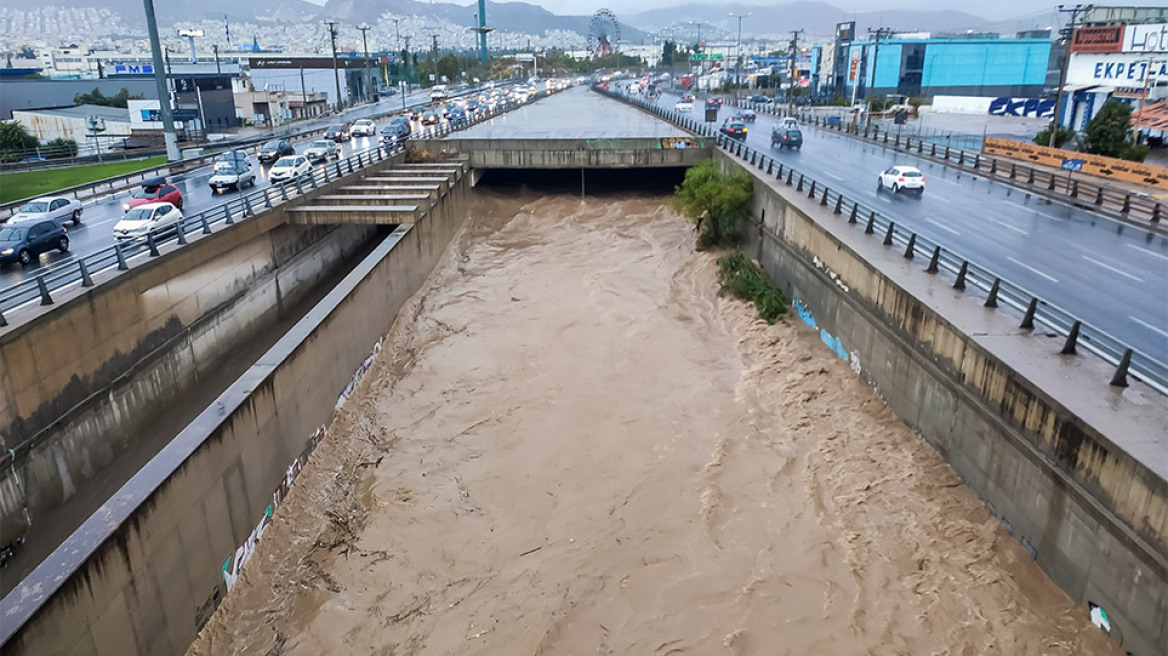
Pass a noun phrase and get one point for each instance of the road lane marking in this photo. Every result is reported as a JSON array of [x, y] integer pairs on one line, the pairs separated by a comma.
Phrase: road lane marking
[[943, 226], [1149, 326], [1113, 269], [1152, 253], [1010, 227], [1033, 270], [940, 198], [834, 177]]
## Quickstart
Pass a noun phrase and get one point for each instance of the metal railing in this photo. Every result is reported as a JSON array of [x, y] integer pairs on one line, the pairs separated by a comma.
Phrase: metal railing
[[80, 271], [966, 275], [963, 151]]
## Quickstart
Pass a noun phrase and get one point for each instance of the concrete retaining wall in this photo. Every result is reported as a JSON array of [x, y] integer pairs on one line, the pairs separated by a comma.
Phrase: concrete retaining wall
[[1032, 433], [142, 574], [583, 153]]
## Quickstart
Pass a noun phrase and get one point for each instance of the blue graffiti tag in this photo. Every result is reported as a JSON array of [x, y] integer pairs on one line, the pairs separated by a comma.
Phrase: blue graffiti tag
[[1039, 108], [804, 313], [834, 344]]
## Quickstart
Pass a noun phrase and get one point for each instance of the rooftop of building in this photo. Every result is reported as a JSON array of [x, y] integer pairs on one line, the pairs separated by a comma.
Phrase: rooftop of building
[[84, 111]]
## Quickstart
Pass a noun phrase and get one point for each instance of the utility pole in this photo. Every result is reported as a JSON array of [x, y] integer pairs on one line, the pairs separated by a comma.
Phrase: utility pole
[[332, 28], [1065, 37], [434, 59], [303, 93], [482, 30], [794, 72], [164, 108], [365, 43], [879, 32], [738, 68], [218, 69], [409, 55]]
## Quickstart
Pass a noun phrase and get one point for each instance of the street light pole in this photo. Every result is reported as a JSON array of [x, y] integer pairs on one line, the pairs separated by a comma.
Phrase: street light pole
[[164, 109], [332, 27], [738, 67], [365, 44]]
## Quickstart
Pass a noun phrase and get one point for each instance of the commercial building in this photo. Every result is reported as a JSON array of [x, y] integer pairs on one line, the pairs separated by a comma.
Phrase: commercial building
[[75, 122]]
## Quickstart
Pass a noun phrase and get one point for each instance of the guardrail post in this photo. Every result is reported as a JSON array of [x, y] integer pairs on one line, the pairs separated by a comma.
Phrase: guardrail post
[[934, 261], [1028, 318], [300, 186], [871, 227], [1099, 195], [1156, 213], [206, 224], [839, 204], [888, 233], [992, 300], [823, 203], [3, 321], [791, 176], [44, 290], [227, 214], [182, 233], [993, 167], [976, 161], [324, 169], [800, 187], [771, 168], [1120, 377], [150, 242], [960, 284], [1030, 178], [920, 145], [811, 194], [1075, 189], [912, 242], [855, 210], [1072, 339], [122, 266], [1050, 187], [339, 174], [268, 198], [946, 153], [86, 280]]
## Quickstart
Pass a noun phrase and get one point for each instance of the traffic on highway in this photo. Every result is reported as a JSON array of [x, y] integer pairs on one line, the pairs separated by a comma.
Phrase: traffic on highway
[[1109, 274]]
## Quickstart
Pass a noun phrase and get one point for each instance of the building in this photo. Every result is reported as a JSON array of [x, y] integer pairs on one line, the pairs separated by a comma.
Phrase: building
[[272, 108], [74, 123], [958, 65], [295, 76]]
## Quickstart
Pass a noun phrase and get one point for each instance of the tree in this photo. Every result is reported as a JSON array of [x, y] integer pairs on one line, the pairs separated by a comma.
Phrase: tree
[[15, 141], [714, 201], [667, 52], [1062, 136], [58, 148], [448, 67], [1107, 133], [96, 97]]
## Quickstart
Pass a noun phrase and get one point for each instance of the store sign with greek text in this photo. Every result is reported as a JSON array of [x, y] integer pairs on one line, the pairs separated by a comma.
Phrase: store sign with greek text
[[1115, 70], [1146, 38]]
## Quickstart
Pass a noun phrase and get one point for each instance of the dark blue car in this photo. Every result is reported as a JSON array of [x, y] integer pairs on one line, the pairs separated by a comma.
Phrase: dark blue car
[[24, 242]]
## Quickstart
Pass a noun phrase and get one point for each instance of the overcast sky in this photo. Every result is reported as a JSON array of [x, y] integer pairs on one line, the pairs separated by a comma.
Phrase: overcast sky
[[989, 9]]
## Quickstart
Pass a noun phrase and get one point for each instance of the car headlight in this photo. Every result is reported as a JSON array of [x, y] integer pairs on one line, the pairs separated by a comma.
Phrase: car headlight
[[7, 251], [125, 207]]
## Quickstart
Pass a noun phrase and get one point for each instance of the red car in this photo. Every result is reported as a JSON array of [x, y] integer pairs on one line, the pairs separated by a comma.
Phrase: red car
[[155, 190]]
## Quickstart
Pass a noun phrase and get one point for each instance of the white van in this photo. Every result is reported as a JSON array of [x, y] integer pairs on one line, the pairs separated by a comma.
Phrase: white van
[[438, 92]]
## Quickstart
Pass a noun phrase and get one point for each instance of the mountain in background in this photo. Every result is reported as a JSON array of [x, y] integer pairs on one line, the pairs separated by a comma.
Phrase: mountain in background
[[818, 19]]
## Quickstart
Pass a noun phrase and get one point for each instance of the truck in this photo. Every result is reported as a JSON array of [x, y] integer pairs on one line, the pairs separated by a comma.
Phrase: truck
[[438, 92]]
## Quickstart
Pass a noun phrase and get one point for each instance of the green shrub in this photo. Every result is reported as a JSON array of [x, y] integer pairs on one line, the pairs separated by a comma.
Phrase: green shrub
[[1062, 136], [715, 201], [59, 148], [740, 276], [1133, 152]]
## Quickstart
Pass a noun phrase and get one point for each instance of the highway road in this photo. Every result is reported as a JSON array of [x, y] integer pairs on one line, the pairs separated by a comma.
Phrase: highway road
[[97, 222], [1109, 274]]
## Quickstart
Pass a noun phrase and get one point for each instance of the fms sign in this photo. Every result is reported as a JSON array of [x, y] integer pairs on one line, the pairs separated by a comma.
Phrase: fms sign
[[133, 69]]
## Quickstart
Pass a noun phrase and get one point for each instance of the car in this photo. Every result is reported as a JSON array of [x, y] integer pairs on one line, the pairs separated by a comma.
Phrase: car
[[237, 177], [338, 132], [748, 115], [275, 149], [472, 105], [363, 127], [231, 159], [687, 97], [758, 98], [789, 123], [23, 242], [33, 159], [901, 178], [154, 190], [438, 92], [834, 121], [289, 168], [398, 128], [449, 107], [416, 113], [144, 219], [56, 208], [683, 106], [322, 150], [785, 138], [456, 115], [734, 130], [710, 104], [431, 117], [717, 100]]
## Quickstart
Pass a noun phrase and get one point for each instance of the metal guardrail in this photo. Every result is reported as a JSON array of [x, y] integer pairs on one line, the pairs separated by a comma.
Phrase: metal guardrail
[[965, 274], [80, 271], [1087, 193]]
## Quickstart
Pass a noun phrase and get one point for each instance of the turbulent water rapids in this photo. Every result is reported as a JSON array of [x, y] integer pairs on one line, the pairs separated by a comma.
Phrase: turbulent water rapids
[[572, 444]]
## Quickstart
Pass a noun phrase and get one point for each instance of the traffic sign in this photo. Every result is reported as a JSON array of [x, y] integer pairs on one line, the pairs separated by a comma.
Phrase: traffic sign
[[1072, 164], [703, 56]]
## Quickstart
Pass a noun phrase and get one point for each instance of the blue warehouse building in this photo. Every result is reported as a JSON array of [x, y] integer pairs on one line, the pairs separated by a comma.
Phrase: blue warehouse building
[[952, 66]]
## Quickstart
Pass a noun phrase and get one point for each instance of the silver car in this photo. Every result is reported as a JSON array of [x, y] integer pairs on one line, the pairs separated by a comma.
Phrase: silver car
[[58, 208]]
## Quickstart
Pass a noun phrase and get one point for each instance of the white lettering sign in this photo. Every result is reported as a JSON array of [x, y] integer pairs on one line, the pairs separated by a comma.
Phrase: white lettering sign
[[1146, 38], [1115, 70]]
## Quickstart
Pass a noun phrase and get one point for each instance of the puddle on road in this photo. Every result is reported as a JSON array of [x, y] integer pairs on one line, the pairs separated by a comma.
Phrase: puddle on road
[[572, 444]]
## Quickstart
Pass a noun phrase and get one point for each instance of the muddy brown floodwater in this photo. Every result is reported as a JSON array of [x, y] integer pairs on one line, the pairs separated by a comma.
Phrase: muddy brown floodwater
[[573, 445]]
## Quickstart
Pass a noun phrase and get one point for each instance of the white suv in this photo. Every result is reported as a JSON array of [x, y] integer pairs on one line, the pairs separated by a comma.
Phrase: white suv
[[363, 128], [901, 178]]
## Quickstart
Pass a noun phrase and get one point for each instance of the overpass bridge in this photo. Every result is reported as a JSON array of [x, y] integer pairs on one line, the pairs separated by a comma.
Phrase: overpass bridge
[[1073, 466]]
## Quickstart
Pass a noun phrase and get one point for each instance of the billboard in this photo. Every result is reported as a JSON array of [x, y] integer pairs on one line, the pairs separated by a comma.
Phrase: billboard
[[308, 62], [845, 31], [1108, 38], [1146, 38], [1121, 69]]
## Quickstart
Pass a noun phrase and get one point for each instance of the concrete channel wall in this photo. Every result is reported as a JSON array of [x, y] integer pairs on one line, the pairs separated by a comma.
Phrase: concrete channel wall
[[144, 573], [80, 379], [614, 153], [1034, 434]]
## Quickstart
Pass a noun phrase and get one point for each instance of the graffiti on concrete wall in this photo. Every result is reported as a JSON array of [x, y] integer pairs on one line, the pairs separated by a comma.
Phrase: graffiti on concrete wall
[[680, 143], [835, 277], [359, 374], [832, 342], [1032, 107], [602, 144]]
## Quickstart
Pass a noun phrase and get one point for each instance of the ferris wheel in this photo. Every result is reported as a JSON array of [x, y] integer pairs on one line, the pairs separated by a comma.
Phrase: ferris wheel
[[604, 34]]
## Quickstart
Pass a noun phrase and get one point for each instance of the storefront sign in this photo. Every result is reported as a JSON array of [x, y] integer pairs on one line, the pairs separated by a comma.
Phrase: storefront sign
[[1097, 39], [1146, 38], [1115, 70], [1103, 167], [308, 62], [1036, 107]]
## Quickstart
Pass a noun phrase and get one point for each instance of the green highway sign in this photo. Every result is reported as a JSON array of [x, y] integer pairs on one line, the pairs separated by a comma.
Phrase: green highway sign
[[701, 56]]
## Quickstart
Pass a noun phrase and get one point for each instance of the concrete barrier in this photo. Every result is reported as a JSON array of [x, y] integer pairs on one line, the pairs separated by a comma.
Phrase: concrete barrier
[[666, 152], [1074, 468], [144, 573]]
